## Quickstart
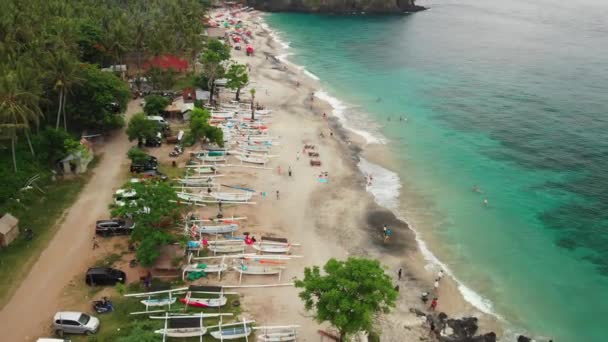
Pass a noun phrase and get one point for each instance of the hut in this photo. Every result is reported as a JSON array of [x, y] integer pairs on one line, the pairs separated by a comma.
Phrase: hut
[[9, 229]]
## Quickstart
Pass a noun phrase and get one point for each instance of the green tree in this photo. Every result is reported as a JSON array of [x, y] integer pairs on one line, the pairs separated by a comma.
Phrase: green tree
[[64, 73], [349, 295], [93, 99], [140, 127], [214, 55], [155, 211], [137, 155], [237, 78], [19, 103], [200, 128], [155, 104]]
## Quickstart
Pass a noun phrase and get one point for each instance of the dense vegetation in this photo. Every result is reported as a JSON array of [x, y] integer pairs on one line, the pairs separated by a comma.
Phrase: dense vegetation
[[51, 55]]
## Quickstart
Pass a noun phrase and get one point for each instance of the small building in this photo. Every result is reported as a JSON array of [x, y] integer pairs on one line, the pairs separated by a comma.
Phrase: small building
[[9, 229]]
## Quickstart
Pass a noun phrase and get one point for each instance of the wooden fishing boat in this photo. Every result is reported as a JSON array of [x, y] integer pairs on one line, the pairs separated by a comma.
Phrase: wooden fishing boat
[[215, 268], [278, 336], [231, 333], [258, 269], [226, 246], [203, 169], [272, 247], [252, 159], [232, 196], [216, 229], [255, 148], [204, 302], [188, 197], [222, 115], [183, 332], [158, 301]]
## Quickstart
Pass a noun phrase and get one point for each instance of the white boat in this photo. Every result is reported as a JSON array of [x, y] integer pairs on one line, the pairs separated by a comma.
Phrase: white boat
[[215, 268], [272, 247], [222, 115], [183, 332], [285, 336], [214, 159], [232, 196], [205, 302], [231, 333], [188, 197], [203, 169], [216, 229], [252, 159], [158, 301], [254, 148], [226, 246], [257, 269]]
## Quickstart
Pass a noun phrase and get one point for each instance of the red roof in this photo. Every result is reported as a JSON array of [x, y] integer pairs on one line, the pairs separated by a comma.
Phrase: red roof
[[167, 62]]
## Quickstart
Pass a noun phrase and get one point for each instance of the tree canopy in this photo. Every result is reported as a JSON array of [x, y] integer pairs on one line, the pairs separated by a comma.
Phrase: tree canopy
[[154, 213], [155, 104], [349, 294], [214, 55], [200, 128], [140, 127], [237, 78]]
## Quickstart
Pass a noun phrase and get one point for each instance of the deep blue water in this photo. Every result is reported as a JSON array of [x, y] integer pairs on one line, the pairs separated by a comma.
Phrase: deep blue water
[[507, 95]]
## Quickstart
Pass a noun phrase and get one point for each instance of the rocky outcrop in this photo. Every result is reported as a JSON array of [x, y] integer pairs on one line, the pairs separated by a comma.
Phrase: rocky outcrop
[[337, 6]]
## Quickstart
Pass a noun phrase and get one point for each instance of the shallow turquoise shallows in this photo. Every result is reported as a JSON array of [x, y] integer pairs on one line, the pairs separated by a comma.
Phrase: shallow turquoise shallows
[[511, 96]]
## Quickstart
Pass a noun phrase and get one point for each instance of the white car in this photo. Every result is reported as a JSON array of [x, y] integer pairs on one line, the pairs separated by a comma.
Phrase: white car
[[71, 322]]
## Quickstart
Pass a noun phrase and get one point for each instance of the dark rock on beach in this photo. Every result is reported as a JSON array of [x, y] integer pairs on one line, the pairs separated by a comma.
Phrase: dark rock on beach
[[337, 6]]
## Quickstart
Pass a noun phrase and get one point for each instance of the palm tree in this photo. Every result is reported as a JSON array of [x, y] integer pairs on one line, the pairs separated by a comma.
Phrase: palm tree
[[252, 92], [64, 73], [19, 102]]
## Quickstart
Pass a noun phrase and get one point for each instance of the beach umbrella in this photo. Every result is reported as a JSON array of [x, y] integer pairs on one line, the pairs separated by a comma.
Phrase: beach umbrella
[[249, 49]]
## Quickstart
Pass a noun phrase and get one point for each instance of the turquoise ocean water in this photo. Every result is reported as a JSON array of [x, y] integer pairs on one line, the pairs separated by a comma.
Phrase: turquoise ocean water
[[511, 96]]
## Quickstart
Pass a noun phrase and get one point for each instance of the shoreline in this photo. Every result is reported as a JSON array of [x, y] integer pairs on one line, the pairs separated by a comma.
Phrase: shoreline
[[412, 254]]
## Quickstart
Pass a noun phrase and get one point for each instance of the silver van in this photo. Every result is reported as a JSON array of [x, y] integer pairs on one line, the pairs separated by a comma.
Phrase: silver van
[[71, 322]]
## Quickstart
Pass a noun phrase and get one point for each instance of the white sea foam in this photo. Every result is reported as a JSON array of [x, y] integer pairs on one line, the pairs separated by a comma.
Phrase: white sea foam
[[339, 109], [311, 75], [385, 188]]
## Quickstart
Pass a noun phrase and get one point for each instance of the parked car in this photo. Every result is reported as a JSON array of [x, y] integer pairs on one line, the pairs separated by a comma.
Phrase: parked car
[[153, 174], [114, 227], [71, 322], [104, 276], [151, 163], [154, 141]]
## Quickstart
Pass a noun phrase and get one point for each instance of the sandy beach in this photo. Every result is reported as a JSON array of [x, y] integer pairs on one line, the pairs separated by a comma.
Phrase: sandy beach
[[334, 219]]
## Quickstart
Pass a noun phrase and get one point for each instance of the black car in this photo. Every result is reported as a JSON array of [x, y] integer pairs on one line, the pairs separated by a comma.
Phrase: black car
[[153, 174], [104, 276], [114, 227], [151, 163], [153, 142]]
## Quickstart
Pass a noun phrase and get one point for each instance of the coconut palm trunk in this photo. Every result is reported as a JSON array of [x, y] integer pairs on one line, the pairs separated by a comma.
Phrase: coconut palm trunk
[[60, 107]]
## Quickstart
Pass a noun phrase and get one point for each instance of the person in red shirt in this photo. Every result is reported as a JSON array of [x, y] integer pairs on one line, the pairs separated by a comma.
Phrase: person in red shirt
[[434, 304]]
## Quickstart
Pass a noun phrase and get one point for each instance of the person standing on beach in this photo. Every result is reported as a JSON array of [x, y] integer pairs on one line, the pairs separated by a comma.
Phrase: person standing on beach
[[298, 155], [289, 171], [433, 304], [440, 275], [399, 273], [95, 244], [277, 194], [436, 285], [384, 228]]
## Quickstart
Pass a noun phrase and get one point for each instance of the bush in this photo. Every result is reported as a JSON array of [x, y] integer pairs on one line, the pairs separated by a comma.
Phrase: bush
[[155, 104]]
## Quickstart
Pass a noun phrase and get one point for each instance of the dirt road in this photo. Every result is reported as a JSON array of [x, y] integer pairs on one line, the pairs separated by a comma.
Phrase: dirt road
[[29, 312]]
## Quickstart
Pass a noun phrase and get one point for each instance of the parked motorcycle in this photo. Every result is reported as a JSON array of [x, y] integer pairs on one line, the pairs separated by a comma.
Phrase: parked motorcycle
[[103, 306], [177, 151]]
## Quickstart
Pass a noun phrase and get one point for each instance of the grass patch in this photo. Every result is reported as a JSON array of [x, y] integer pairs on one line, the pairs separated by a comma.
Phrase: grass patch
[[120, 326], [41, 213], [172, 172], [109, 260]]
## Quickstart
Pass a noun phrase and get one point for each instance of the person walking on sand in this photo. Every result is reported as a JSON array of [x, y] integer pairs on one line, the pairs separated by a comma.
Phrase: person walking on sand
[[387, 234], [279, 169], [277, 194], [298, 155], [95, 244], [440, 275], [399, 273], [289, 171], [384, 228], [436, 285], [432, 329], [433, 304]]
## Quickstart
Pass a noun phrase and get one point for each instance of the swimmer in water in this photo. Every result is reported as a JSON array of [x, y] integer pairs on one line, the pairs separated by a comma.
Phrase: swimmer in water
[[378, 99], [476, 189], [485, 202]]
